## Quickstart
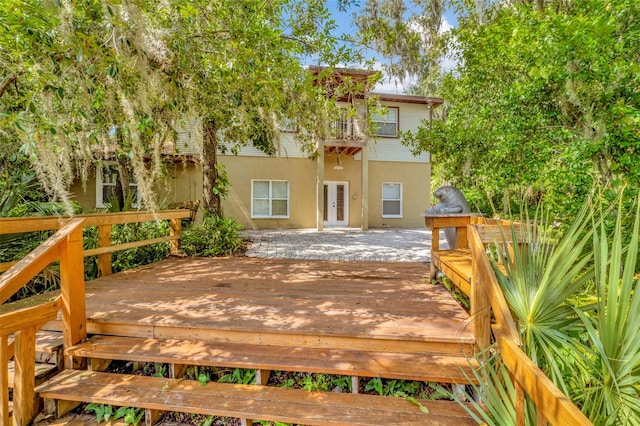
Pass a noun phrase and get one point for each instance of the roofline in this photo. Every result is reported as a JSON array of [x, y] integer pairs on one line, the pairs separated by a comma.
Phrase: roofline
[[409, 99]]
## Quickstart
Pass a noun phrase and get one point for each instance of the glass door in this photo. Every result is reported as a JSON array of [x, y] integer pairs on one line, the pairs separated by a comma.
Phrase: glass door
[[336, 204]]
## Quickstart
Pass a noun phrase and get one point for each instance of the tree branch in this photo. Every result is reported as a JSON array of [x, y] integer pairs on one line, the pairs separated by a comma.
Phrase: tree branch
[[6, 83]]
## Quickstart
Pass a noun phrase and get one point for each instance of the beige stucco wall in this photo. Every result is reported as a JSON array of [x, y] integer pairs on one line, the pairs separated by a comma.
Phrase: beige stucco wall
[[184, 183], [415, 179], [301, 174], [85, 196]]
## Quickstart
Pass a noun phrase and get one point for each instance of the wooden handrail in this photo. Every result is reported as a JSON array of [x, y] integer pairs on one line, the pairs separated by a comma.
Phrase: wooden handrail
[[552, 405], [104, 223], [21, 272], [15, 225], [487, 285], [24, 319], [65, 244]]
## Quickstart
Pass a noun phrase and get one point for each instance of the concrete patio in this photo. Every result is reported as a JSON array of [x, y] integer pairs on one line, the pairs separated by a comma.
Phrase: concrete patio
[[382, 245]]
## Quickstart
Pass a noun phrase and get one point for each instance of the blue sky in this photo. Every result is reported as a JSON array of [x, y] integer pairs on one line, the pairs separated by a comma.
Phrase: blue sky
[[345, 26]]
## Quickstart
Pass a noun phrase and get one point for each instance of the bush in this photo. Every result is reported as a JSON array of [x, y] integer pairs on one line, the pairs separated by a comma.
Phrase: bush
[[215, 237], [131, 258]]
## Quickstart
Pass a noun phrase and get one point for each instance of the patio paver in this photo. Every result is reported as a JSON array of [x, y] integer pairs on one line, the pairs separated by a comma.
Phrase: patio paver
[[347, 244]]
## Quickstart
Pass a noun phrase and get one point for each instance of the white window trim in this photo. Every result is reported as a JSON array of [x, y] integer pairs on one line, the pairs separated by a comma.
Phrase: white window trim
[[270, 215], [99, 185], [392, 216], [397, 123]]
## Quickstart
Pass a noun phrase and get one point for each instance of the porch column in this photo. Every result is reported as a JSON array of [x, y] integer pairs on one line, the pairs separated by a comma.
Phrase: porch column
[[320, 188], [364, 155]]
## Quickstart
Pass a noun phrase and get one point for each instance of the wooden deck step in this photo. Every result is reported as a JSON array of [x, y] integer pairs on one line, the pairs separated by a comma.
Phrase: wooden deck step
[[75, 420], [43, 372], [248, 401], [48, 346], [409, 366], [456, 265]]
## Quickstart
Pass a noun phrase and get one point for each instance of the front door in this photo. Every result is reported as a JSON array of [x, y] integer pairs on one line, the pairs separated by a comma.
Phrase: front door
[[336, 203]]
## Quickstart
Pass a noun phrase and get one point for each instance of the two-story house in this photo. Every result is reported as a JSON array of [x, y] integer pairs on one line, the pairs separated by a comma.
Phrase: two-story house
[[362, 176]]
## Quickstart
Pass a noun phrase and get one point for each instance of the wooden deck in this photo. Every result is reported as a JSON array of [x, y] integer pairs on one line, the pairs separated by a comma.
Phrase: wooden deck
[[351, 305]]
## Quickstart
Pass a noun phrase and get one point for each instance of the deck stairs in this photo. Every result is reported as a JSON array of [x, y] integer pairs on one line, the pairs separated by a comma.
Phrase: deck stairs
[[257, 401], [48, 357]]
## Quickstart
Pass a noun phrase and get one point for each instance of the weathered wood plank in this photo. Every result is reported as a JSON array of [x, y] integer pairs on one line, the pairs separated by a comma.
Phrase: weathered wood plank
[[552, 403], [104, 259], [249, 401], [31, 224], [72, 291], [410, 366], [125, 246], [499, 305], [41, 372], [28, 313], [480, 306], [24, 398], [175, 232], [4, 380]]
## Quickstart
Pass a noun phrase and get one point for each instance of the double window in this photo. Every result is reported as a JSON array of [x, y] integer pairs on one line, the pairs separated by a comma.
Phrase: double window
[[269, 199], [392, 200], [386, 124], [106, 182]]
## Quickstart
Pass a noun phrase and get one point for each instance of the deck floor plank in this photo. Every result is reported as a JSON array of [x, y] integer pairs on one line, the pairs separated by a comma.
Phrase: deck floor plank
[[407, 366], [337, 300], [249, 401]]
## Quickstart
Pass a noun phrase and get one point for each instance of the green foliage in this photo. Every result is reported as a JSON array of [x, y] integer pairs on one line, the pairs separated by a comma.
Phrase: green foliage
[[316, 382], [112, 79], [402, 388], [496, 392], [540, 105], [214, 237], [239, 375], [538, 281], [130, 258], [158, 369], [610, 394], [130, 416]]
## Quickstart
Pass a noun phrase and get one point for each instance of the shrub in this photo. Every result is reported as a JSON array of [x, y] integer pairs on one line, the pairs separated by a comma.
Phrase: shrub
[[215, 237], [131, 258]]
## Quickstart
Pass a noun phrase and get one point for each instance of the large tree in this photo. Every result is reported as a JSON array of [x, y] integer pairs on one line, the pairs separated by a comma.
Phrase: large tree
[[81, 80], [543, 101]]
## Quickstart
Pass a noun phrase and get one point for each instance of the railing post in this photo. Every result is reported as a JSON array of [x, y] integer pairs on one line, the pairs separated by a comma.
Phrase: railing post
[[4, 380], [176, 230], [105, 259], [72, 292], [480, 298], [24, 398]]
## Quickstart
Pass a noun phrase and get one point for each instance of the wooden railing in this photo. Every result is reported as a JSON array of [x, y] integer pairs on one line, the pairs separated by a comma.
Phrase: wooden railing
[[104, 222], [25, 317], [488, 302]]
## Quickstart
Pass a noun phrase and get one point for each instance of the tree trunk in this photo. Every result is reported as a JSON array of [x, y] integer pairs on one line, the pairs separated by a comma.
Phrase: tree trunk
[[211, 200], [123, 179]]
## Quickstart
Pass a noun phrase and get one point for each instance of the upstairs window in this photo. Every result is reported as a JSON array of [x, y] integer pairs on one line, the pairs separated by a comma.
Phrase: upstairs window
[[392, 200], [385, 125], [106, 181], [269, 199]]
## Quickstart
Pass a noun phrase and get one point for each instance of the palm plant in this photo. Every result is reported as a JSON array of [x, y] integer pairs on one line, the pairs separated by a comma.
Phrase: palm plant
[[538, 280], [611, 396], [494, 389]]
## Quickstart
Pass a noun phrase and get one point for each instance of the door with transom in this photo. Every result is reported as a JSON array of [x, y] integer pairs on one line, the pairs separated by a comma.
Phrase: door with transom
[[336, 203]]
